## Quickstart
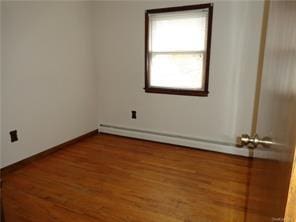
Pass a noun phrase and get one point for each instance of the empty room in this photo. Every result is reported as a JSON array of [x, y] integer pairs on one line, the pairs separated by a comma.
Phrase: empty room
[[148, 111]]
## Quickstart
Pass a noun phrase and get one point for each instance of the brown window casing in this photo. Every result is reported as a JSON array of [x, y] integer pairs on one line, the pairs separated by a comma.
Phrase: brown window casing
[[150, 89]]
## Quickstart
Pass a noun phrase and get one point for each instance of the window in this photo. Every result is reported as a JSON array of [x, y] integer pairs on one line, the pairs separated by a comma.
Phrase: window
[[177, 50]]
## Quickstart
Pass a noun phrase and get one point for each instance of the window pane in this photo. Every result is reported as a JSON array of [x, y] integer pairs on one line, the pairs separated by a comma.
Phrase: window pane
[[178, 31], [177, 70]]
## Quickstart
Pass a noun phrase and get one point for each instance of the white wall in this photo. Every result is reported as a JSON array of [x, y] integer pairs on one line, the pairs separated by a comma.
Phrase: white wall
[[69, 66], [49, 82], [222, 116]]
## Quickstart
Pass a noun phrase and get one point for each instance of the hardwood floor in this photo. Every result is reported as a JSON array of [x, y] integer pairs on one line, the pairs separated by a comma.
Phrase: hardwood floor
[[115, 179]]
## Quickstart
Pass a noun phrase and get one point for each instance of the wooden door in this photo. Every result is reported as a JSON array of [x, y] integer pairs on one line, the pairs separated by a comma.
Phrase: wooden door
[[275, 117]]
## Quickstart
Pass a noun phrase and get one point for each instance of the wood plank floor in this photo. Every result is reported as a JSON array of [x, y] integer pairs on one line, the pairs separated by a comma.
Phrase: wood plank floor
[[115, 179]]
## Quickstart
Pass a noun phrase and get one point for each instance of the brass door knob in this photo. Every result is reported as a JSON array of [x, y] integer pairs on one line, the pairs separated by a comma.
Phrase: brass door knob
[[253, 141]]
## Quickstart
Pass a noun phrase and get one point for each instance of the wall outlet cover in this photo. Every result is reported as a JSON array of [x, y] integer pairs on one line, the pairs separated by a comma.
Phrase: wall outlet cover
[[134, 114], [13, 136]]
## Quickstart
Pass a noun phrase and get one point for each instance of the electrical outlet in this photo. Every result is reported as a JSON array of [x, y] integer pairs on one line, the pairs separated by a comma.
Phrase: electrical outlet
[[134, 114], [13, 136]]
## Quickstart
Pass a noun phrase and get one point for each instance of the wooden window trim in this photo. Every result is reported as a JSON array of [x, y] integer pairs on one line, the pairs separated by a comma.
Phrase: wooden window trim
[[150, 89]]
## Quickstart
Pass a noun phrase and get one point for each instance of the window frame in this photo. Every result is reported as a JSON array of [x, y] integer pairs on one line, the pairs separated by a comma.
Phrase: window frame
[[163, 90]]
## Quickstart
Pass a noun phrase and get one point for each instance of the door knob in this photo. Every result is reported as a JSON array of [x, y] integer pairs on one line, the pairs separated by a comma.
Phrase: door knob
[[253, 141]]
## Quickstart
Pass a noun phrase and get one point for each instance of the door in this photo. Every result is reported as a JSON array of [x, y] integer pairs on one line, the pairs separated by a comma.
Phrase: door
[[274, 117]]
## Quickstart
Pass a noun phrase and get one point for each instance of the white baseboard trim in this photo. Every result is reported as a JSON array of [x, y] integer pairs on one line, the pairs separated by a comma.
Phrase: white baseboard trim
[[197, 143]]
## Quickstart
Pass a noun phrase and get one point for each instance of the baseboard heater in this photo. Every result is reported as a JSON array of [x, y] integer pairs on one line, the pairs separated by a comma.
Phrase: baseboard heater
[[199, 143]]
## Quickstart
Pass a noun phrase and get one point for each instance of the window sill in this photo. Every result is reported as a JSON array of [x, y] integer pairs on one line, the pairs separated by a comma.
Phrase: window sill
[[180, 92]]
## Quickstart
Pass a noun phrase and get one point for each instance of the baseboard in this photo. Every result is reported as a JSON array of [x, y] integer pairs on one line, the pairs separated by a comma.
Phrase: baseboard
[[6, 170], [198, 143]]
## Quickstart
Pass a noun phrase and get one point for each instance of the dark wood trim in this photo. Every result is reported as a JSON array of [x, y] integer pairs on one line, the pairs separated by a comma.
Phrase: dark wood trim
[[146, 56], [179, 8], [8, 169], [177, 91], [209, 41], [150, 89]]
